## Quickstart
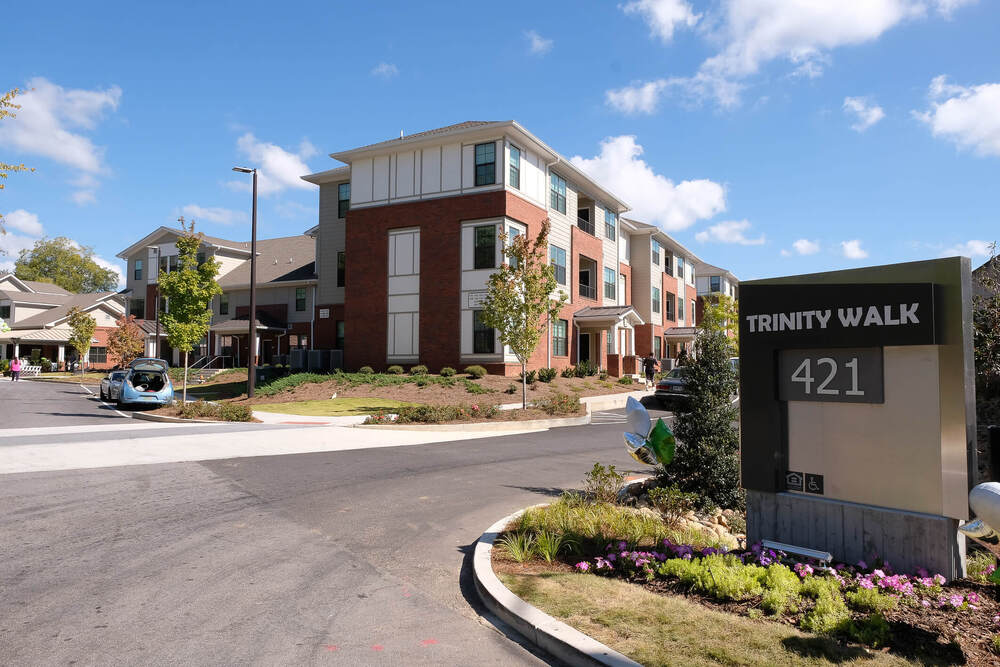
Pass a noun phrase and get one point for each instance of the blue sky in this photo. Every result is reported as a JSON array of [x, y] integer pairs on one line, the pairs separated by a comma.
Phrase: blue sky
[[770, 137]]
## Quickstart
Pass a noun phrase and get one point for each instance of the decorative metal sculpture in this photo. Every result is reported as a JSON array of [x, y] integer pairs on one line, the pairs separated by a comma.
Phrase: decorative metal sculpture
[[984, 500], [647, 442]]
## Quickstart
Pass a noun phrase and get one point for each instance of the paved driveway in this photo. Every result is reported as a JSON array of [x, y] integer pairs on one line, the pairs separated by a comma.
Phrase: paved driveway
[[30, 404]]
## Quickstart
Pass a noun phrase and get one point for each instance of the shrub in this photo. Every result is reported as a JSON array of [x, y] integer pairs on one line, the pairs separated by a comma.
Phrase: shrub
[[672, 503], [447, 372], [586, 369], [870, 600], [558, 403], [531, 376], [829, 612], [549, 544], [781, 589], [511, 389], [419, 369], [871, 630], [198, 410], [625, 380], [421, 382], [568, 372], [475, 372], [395, 369], [547, 374], [367, 370], [604, 484], [603, 375], [289, 382], [519, 546], [474, 388], [235, 412]]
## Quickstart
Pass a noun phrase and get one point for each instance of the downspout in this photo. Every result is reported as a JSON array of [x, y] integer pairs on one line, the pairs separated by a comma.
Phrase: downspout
[[312, 321]]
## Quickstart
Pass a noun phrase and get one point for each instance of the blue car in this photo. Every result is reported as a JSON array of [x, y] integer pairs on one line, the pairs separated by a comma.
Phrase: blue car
[[146, 383]]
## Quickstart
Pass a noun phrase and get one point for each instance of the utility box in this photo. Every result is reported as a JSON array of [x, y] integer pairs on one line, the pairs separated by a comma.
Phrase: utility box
[[858, 412]]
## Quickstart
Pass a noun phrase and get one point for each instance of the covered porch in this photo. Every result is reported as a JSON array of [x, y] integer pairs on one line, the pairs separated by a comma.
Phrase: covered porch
[[676, 339], [606, 337], [45, 343], [231, 340]]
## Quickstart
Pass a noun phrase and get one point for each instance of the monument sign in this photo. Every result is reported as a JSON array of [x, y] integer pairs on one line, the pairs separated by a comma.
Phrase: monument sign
[[857, 412]]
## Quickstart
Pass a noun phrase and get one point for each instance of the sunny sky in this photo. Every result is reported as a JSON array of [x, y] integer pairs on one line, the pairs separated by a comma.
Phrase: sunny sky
[[771, 137]]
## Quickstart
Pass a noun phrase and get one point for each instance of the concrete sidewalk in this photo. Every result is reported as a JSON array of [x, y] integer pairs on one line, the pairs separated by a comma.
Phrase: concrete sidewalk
[[279, 418]]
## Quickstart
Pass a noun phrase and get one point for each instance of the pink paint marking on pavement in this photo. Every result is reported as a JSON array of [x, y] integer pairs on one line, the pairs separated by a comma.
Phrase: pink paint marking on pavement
[[428, 642], [331, 647], [378, 647]]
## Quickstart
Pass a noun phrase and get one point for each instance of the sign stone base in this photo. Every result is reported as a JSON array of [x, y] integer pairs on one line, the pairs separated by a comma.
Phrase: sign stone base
[[853, 532]]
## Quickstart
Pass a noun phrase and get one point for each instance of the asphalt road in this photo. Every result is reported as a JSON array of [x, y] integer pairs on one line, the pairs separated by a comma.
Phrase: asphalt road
[[29, 404], [350, 557]]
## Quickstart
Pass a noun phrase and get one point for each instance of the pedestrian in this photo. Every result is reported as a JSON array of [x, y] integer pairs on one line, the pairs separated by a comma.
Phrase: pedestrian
[[15, 369], [649, 367]]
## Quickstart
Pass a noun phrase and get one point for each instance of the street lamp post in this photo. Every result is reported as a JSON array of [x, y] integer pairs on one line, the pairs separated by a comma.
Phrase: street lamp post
[[252, 363], [156, 326]]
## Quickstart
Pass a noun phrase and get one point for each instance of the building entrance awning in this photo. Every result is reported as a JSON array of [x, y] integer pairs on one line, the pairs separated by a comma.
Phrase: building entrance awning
[[681, 334], [606, 317], [52, 335], [236, 327]]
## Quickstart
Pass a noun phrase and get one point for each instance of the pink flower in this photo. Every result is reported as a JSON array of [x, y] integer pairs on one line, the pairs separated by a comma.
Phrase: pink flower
[[939, 579], [925, 603], [863, 565], [956, 601], [583, 566], [475, 406], [866, 583], [879, 573]]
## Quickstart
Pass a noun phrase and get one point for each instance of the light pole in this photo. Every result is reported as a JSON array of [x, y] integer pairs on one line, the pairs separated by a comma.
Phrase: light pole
[[156, 326], [252, 363]]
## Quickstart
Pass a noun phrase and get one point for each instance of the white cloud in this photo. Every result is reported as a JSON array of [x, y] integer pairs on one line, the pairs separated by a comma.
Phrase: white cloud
[[537, 44], [385, 70], [84, 197], [729, 231], [23, 221], [853, 250], [277, 169], [114, 266], [663, 16], [53, 122], [806, 247], [654, 197], [222, 216], [750, 34], [973, 248], [865, 113], [967, 116], [637, 98]]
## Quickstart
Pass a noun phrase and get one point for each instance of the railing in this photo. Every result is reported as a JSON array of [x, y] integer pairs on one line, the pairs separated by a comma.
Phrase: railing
[[588, 291], [586, 225]]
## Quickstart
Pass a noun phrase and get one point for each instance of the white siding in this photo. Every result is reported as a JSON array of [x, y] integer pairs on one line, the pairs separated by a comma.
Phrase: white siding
[[403, 338], [451, 167], [430, 170], [361, 181]]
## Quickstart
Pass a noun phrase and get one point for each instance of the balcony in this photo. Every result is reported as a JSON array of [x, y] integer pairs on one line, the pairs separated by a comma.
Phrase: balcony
[[586, 225], [588, 291], [587, 278]]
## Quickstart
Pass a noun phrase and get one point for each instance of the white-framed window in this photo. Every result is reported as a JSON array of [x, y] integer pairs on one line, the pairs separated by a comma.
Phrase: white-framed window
[[557, 192], [484, 254], [486, 163], [656, 251], [515, 167], [610, 288], [656, 300], [558, 258], [610, 224]]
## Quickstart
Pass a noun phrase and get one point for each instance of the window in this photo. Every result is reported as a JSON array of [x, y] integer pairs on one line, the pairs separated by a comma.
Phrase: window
[[173, 262], [513, 233], [163, 263], [557, 193], [558, 258], [668, 264], [656, 348], [98, 355], [656, 299], [201, 258], [560, 338], [669, 303], [694, 309], [515, 167], [714, 284], [341, 269], [338, 344], [485, 253], [137, 307], [5, 312], [656, 251], [610, 224], [300, 299], [680, 273], [138, 269], [680, 309], [610, 289], [223, 304], [483, 339], [486, 163], [343, 199]]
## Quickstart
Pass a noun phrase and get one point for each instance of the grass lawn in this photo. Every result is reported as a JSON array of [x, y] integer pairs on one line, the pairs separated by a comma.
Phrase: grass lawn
[[665, 630], [333, 407], [215, 391], [75, 378]]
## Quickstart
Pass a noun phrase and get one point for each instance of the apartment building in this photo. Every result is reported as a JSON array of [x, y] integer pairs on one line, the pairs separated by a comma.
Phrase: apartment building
[[37, 315], [286, 293], [408, 236], [714, 281]]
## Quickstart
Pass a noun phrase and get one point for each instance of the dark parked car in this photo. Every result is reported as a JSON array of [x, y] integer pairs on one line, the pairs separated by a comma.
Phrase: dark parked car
[[111, 385], [672, 387]]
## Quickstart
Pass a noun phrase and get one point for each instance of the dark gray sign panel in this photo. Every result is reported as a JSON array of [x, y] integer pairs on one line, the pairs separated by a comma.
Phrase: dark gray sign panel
[[841, 375]]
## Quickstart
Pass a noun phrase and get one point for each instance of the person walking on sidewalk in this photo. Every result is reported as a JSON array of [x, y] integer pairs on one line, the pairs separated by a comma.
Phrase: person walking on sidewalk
[[15, 369], [649, 367]]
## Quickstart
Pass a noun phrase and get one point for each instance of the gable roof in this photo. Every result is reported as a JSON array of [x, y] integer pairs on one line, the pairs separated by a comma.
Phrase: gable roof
[[285, 259], [35, 297], [159, 232], [40, 287], [706, 269], [646, 228], [54, 316]]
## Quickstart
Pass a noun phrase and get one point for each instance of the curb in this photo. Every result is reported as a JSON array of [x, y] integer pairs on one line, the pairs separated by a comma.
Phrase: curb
[[172, 420], [554, 637], [533, 424]]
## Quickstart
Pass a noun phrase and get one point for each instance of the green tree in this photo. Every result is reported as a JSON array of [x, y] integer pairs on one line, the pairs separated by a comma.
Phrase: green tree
[[7, 108], [189, 292], [83, 327], [707, 458], [519, 299], [126, 343], [986, 326], [722, 313], [65, 263]]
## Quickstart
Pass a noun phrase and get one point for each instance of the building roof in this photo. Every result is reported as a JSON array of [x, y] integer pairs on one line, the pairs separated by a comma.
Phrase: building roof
[[606, 315], [286, 259], [52, 335], [49, 317], [706, 269], [41, 287], [242, 326], [681, 332], [149, 327], [447, 129], [239, 246], [35, 297], [328, 176], [662, 236]]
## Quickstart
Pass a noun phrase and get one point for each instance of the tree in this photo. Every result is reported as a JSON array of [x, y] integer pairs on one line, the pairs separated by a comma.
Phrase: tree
[[83, 326], [65, 263], [519, 303], [986, 326], [189, 292], [6, 111], [127, 342], [707, 458], [722, 313]]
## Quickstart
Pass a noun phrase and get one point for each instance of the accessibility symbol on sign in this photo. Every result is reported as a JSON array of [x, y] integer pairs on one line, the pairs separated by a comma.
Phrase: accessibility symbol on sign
[[814, 483]]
